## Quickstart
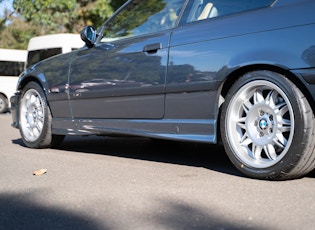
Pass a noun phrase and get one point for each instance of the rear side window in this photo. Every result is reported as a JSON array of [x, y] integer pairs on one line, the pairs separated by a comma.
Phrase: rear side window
[[204, 9], [38, 55]]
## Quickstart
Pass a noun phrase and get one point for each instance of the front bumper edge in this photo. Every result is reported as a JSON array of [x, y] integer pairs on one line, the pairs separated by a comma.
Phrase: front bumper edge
[[14, 109]]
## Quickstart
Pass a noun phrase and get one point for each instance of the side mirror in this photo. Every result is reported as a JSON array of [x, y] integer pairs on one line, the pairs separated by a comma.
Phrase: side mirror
[[88, 35]]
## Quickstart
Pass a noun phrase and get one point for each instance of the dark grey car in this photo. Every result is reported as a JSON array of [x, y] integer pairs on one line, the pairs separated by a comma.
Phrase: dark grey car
[[240, 72]]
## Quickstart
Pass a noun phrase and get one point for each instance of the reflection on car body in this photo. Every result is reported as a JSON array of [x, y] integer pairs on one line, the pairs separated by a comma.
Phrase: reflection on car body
[[96, 84], [236, 72]]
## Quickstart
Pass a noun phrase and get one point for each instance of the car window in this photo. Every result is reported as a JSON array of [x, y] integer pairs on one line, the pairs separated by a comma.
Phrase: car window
[[143, 17], [35, 56], [203, 9], [11, 68]]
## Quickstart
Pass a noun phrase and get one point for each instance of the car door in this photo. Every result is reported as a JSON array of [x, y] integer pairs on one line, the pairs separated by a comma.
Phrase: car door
[[201, 47], [123, 75]]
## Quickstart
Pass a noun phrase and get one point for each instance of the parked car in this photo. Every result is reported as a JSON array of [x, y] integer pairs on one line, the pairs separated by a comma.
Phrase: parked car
[[12, 62], [236, 72], [45, 46]]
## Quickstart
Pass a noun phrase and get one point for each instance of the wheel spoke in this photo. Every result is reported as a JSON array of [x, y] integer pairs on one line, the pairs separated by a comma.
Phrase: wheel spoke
[[37, 102], [40, 125], [256, 151], [247, 106], [245, 141], [283, 108], [280, 140], [258, 97], [32, 99], [28, 103], [241, 122], [271, 98], [270, 152], [284, 125], [36, 131]]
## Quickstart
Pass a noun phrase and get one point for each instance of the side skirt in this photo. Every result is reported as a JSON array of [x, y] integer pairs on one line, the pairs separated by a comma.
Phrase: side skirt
[[171, 129]]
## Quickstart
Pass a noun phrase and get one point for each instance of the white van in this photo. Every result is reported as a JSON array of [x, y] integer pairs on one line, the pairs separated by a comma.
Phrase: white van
[[45, 46], [12, 63]]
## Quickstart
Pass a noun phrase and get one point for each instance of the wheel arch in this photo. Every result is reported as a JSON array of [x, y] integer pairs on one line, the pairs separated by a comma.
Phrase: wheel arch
[[236, 74], [3, 94], [39, 81], [28, 79]]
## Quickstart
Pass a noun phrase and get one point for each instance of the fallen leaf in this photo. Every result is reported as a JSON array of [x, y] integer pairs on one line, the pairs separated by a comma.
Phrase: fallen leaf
[[40, 172]]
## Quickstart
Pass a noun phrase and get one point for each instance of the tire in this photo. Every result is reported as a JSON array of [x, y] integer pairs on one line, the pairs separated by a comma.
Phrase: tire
[[4, 106], [267, 127], [35, 119]]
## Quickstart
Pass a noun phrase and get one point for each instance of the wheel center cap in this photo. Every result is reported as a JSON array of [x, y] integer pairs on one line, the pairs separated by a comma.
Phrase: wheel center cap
[[263, 124], [34, 113]]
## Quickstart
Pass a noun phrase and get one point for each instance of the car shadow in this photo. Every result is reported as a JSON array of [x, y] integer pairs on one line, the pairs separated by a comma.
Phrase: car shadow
[[209, 156]]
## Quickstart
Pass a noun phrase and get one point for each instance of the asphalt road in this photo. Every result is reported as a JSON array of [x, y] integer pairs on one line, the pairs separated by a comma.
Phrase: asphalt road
[[134, 183]]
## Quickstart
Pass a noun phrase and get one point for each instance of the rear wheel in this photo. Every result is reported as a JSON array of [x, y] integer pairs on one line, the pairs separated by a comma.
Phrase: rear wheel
[[267, 127], [35, 119], [3, 104]]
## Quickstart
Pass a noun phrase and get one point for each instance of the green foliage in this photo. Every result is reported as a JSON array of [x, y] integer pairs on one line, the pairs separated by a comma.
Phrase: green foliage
[[94, 12], [115, 4], [38, 17], [17, 34], [53, 16]]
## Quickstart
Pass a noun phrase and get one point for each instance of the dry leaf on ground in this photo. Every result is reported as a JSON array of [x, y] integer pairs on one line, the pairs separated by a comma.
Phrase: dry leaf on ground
[[40, 172]]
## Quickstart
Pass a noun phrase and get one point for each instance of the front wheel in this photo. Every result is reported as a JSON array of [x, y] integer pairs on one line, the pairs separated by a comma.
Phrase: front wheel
[[35, 118], [267, 127]]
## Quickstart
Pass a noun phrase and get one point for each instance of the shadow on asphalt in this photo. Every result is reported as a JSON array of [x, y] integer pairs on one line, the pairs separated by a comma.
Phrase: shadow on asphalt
[[19, 211], [209, 156]]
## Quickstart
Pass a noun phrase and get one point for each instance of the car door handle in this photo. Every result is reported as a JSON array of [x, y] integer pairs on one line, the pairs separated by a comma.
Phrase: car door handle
[[152, 48]]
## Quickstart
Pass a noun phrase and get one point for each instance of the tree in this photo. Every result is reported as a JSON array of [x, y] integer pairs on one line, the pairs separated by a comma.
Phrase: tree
[[53, 16], [56, 16], [93, 12], [115, 4], [5, 18], [17, 34], [39, 17]]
